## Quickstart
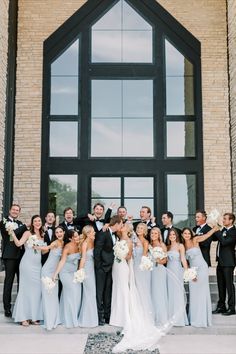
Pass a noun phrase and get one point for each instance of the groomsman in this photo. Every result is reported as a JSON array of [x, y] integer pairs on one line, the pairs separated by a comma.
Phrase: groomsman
[[49, 228], [202, 228], [96, 219], [167, 222], [146, 218], [11, 255], [103, 261], [122, 212], [225, 255], [71, 222]]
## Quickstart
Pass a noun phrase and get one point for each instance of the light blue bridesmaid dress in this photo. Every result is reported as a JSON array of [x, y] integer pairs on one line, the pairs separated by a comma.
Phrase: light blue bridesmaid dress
[[199, 292], [28, 305], [175, 288], [50, 299], [88, 316], [159, 293], [70, 301], [143, 282]]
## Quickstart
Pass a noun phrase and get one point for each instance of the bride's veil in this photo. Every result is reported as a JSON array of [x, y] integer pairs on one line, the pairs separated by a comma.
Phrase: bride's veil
[[140, 333]]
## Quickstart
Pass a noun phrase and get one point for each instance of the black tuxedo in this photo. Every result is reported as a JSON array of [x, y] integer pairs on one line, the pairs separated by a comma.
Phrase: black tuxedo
[[104, 221], [11, 255], [103, 260], [48, 241], [163, 229], [225, 255], [205, 246], [77, 224]]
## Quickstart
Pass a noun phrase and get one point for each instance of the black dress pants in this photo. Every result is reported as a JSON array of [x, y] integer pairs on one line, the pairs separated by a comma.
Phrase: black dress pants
[[103, 293], [225, 281], [11, 269]]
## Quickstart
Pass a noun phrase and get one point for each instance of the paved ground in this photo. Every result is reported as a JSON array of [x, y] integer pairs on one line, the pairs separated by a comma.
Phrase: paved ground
[[15, 339]]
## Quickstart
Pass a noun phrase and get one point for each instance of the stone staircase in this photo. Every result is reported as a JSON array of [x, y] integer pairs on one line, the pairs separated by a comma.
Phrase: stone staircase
[[212, 282]]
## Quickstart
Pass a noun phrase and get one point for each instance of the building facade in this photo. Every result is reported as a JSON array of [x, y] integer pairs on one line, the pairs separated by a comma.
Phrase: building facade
[[130, 102]]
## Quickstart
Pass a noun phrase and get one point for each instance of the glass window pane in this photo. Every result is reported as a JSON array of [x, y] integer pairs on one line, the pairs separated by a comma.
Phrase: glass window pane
[[106, 46], [180, 139], [179, 96], [176, 63], [137, 98], [134, 205], [111, 20], [106, 187], [138, 137], [181, 194], [67, 63], [106, 98], [106, 137], [64, 95], [138, 187], [132, 20], [62, 193], [133, 41], [63, 139]]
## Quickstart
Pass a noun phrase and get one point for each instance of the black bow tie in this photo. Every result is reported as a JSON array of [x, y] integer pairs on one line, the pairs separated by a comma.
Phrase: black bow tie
[[50, 228], [101, 220], [70, 224], [224, 229], [167, 228]]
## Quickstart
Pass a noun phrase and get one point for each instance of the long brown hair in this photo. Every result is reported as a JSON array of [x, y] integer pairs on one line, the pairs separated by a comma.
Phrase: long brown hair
[[191, 232], [41, 232], [178, 239]]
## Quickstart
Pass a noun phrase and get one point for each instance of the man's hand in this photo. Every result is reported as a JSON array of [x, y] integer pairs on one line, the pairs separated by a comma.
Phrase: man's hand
[[91, 217]]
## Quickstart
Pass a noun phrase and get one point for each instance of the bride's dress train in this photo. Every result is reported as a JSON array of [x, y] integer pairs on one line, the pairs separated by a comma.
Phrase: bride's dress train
[[139, 331]]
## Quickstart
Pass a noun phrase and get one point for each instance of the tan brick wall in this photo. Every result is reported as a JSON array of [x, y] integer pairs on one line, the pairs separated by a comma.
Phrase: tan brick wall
[[232, 73], [3, 73], [204, 19]]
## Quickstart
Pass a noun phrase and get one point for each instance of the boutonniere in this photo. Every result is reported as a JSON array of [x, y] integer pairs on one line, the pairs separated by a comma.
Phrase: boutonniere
[[224, 233]]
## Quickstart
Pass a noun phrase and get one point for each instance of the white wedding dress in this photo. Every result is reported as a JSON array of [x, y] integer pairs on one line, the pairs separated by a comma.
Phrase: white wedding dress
[[138, 329]]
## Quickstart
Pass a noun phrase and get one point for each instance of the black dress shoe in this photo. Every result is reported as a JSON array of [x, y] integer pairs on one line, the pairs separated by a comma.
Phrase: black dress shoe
[[218, 310], [107, 320], [8, 313], [101, 322], [228, 312]]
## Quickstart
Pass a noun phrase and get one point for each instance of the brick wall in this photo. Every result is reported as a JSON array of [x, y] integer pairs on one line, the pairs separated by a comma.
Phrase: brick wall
[[3, 71], [204, 19], [232, 76]]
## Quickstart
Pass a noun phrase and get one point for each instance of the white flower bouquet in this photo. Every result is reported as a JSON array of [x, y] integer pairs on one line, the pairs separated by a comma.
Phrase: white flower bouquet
[[157, 252], [146, 263], [10, 226], [48, 283], [190, 274], [121, 250], [79, 276], [34, 241], [213, 217]]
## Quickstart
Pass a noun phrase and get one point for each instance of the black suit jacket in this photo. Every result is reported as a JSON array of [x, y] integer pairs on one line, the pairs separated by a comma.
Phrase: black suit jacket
[[106, 220], [226, 244], [103, 251], [48, 241], [9, 249], [205, 246]]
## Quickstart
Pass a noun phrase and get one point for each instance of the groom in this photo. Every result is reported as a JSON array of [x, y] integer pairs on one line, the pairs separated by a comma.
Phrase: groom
[[103, 260]]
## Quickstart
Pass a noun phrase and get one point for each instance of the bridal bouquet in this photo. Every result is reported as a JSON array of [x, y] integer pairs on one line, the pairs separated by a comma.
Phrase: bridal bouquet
[[121, 250], [79, 276], [146, 263], [213, 217], [48, 283], [190, 274], [34, 241], [10, 226], [157, 252]]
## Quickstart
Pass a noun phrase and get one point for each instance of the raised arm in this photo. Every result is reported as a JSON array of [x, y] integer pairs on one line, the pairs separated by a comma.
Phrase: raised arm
[[182, 256], [22, 240], [60, 265], [83, 255], [202, 238], [46, 249]]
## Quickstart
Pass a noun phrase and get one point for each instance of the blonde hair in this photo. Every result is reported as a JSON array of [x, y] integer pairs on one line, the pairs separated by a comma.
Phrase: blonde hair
[[159, 233], [145, 228]]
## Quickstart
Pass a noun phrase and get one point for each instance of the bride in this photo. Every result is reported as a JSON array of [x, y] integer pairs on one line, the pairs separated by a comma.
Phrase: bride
[[139, 333]]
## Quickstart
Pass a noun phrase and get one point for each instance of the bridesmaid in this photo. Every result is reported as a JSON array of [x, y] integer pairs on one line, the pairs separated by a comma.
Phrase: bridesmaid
[[200, 307], [142, 278], [71, 292], [88, 316], [159, 280], [28, 306], [175, 283], [50, 299]]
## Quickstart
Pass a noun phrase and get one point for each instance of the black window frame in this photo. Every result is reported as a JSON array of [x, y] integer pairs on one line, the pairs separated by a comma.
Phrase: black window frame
[[165, 27]]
